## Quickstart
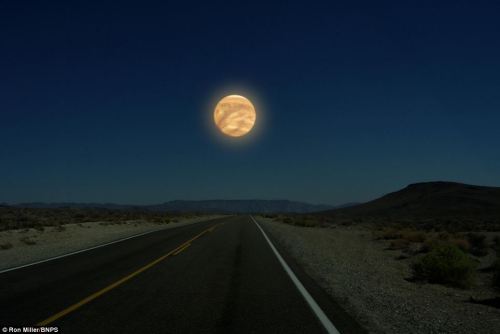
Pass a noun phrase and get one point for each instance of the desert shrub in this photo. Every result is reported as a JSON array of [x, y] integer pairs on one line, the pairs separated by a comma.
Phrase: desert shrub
[[390, 234], [430, 244], [496, 274], [59, 228], [39, 228], [399, 244], [433, 243], [5, 245], [19, 218], [461, 243], [78, 216], [446, 264], [414, 236], [496, 244], [305, 222], [28, 241], [444, 236], [478, 245]]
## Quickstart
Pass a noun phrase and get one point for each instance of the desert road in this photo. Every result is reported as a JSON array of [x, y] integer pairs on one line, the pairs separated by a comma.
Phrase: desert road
[[217, 276]]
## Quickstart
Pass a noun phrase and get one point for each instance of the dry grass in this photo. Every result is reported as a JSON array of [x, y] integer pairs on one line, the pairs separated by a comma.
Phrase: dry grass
[[414, 236], [389, 233], [410, 235], [399, 244], [39, 218], [5, 245], [478, 244], [447, 258], [496, 275], [496, 244], [461, 243], [59, 228], [433, 242], [298, 220], [28, 241]]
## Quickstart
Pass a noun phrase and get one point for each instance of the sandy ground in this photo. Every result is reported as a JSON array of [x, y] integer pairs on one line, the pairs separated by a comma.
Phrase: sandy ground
[[30, 245], [370, 283]]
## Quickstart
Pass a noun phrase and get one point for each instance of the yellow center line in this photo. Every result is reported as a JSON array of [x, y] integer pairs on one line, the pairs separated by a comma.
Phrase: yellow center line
[[181, 249], [99, 293]]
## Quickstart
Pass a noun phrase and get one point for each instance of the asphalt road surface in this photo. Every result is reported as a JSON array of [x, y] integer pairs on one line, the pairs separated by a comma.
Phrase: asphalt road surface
[[218, 276]]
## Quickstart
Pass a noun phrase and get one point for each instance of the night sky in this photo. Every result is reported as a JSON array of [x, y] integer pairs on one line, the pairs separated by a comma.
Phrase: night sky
[[112, 101]]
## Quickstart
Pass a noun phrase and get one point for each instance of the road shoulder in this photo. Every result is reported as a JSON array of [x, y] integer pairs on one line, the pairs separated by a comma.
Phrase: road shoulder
[[370, 284], [343, 321], [30, 245]]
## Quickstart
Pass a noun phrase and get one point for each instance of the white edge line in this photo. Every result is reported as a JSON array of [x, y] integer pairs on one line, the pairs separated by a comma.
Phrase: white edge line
[[78, 251], [327, 324]]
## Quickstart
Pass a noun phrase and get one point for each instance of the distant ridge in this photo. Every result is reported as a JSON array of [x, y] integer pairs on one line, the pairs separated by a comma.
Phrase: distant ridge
[[209, 206], [74, 205], [430, 200]]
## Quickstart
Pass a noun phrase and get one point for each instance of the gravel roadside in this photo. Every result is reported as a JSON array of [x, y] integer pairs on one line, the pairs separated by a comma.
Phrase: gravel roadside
[[366, 279], [19, 247]]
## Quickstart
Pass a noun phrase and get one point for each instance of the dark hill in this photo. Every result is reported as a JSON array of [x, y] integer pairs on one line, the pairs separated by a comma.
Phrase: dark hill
[[431, 202]]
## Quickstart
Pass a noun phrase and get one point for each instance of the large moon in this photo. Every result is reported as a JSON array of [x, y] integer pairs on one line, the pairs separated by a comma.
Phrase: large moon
[[234, 115]]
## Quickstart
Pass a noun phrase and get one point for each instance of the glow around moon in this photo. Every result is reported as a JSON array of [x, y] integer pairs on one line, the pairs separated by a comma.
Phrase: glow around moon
[[235, 115]]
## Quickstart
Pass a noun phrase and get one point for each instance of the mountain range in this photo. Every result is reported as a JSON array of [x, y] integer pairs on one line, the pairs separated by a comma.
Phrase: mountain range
[[209, 206], [426, 200]]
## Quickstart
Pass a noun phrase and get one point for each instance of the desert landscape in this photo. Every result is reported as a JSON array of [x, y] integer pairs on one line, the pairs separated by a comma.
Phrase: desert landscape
[[295, 167], [425, 259]]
